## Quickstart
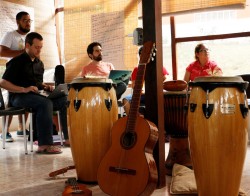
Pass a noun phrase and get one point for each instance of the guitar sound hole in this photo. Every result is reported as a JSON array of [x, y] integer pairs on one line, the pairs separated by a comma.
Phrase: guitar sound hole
[[128, 139]]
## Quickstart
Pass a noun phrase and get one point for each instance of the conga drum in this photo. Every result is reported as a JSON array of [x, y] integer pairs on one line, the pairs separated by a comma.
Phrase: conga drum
[[92, 110], [176, 126], [217, 131]]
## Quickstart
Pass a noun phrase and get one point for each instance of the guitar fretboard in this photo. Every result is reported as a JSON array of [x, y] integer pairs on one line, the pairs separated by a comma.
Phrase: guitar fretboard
[[136, 97]]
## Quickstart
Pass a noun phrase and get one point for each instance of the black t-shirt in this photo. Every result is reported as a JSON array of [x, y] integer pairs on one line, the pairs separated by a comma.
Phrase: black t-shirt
[[22, 71]]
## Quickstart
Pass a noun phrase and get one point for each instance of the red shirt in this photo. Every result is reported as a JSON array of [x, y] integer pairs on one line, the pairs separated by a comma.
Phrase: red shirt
[[134, 73], [209, 69]]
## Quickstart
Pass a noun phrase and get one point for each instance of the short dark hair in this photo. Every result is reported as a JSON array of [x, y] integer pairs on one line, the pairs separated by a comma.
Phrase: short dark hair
[[91, 46], [21, 14], [31, 36]]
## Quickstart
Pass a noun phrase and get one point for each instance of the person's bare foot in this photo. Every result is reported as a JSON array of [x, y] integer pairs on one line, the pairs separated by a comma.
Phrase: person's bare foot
[[49, 149]]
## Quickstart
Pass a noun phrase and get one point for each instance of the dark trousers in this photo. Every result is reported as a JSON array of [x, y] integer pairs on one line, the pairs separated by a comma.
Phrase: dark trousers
[[43, 108]]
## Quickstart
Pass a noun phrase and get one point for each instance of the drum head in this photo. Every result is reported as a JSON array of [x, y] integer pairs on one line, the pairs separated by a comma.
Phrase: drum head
[[79, 83], [91, 80], [219, 79], [212, 82]]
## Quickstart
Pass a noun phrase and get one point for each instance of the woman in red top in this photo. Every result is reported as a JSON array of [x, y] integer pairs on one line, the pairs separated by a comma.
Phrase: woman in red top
[[202, 66]]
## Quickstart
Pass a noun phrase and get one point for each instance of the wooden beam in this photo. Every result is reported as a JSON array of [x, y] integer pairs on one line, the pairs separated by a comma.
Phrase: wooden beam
[[173, 46], [152, 31], [212, 37]]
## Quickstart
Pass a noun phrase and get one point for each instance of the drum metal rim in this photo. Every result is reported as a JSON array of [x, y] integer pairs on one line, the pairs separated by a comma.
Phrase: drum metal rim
[[242, 86], [79, 83]]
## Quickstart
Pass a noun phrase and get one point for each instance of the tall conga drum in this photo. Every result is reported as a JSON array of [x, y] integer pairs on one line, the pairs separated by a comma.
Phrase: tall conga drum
[[92, 111], [217, 131], [176, 126]]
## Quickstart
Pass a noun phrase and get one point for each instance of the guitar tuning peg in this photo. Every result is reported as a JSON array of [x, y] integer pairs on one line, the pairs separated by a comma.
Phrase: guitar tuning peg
[[152, 59]]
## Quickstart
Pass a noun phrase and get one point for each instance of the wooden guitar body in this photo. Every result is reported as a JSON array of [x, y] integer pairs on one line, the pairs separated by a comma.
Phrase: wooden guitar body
[[128, 168]]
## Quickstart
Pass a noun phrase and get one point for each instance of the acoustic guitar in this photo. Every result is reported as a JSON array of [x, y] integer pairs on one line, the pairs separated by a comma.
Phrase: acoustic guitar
[[73, 188], [128, 167]]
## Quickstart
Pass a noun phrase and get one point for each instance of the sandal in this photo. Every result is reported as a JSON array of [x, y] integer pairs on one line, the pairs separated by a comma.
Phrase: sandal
[[50, 150]]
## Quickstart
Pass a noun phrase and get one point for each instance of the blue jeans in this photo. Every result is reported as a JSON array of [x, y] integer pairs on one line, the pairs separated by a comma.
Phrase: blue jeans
[[142, 101], [43, 109]]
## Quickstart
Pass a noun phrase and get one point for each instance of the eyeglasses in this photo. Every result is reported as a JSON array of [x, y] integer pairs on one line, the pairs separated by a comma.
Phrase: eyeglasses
[[27, 21], [205, 50]]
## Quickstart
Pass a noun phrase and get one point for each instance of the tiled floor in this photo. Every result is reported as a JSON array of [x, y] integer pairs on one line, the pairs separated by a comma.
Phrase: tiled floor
[[27, 175]]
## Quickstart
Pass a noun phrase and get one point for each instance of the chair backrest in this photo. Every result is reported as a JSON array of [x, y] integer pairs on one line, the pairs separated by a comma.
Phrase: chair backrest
[[246, 77], [59, 75], [2, 106]]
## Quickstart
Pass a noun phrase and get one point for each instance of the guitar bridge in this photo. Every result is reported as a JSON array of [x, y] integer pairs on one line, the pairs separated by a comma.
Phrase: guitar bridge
[[122, 170], [77, 191]]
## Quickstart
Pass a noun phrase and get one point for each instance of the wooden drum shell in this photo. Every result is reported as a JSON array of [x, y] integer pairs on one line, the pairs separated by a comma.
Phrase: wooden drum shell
[[176, 127], [218, 144], [90, 126], [175, 115]]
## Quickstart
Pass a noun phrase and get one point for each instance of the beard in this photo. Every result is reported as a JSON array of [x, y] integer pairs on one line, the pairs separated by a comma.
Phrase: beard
[[24, 30], [97, 58]]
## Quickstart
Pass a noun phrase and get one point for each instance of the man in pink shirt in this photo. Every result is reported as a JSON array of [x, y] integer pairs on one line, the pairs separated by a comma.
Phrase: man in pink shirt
[[99, 68]]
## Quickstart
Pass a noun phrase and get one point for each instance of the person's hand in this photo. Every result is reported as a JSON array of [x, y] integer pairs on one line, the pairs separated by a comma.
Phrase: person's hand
[[30, 89], [48, 88]]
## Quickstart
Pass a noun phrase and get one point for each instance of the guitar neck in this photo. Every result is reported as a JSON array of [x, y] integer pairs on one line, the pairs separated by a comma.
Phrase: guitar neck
[[61, 171], [75, 188], [136, 97]]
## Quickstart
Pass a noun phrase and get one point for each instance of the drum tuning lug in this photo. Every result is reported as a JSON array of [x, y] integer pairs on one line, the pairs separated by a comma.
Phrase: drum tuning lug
[[108, 103], [244, 110], [77, 104], [192, 107], [207, 109], [186, 107]]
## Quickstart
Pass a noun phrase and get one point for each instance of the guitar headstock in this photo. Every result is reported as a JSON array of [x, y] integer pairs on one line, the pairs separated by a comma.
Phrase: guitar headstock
[[147, 52]]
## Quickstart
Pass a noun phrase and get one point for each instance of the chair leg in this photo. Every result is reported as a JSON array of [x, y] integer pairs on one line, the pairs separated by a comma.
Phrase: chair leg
[[59, 128], [24, 134], [31, 132], [4, 129]]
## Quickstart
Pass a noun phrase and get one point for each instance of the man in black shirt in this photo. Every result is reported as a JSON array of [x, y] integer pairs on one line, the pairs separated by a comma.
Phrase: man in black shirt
[[23, 78]]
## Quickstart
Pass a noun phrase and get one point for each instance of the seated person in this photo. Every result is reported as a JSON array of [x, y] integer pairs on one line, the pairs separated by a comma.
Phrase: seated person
[[126, 100], [202, 66], [22, 79], [99, 68], [11, 45]]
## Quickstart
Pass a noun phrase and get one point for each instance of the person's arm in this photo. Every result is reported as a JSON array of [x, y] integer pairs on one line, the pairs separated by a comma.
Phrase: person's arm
[[16, 89], [165, 74], [164, 78], [132, 84], [7, 52], [187, 76], [79, 74], [216, 70]]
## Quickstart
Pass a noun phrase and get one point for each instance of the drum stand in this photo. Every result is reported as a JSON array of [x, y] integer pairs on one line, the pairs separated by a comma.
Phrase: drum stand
[[178, 153]]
